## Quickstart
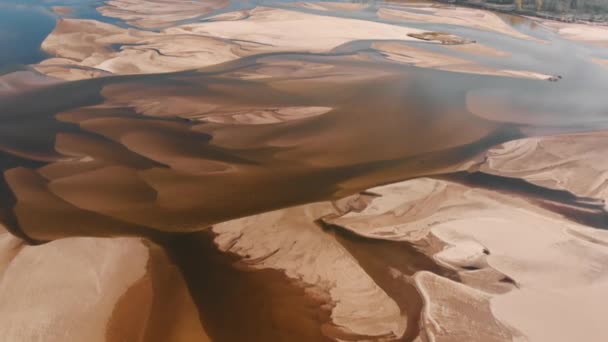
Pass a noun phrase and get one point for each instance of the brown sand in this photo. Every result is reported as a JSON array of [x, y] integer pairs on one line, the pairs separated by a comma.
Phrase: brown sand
[[479, 228], [151, 155], [164, 171], [567, 162], [462, 16], [159, 13], [586, 33], [265, 304], [92, 52], [330, 6], [288, 239], [33, 305], [415, 56], [170, 315], [64, 11]]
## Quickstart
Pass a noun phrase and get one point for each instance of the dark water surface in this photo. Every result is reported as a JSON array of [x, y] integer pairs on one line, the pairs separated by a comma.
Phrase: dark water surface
[[22, 30], [171, 172]]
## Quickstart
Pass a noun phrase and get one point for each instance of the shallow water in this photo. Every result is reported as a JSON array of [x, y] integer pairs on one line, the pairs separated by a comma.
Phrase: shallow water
[[165, 156], [173, 173], [387, 122], [22, 29]]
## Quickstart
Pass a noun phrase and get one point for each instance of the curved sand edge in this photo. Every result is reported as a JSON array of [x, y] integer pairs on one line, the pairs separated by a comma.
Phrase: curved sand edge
[[86, 48]]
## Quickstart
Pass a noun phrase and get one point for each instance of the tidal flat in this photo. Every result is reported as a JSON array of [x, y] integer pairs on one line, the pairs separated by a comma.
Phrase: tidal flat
[[221, 170]]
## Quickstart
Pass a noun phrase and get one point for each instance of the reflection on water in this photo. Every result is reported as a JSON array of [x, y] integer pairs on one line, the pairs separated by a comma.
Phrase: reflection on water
[[164, 156], [144, 159], [265, 305], [22, 29]]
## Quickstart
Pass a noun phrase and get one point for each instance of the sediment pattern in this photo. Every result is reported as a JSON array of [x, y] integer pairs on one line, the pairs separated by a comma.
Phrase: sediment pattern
[[218, 171]]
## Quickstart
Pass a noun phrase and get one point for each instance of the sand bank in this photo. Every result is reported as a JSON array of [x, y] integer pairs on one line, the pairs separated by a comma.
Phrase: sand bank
[[291, 241], [31, 304], [330, 6], [93, 44], [423, 58], [479, 49], [95, 290], [452, 15], [474, 232], [501, 274], [444, 260], [566, 162], [150, 14], [85, 48], [586, 33]]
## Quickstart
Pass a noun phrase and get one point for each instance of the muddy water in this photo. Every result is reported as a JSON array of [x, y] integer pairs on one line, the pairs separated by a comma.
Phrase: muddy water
[[265, 305], [133, 155], [169, 171], [80, 160], [175, 174], [22, 30]]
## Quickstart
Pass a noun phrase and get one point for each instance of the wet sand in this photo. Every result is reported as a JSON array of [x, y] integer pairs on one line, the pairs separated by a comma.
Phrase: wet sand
[[151, 14], [264, 305], [401, 172]]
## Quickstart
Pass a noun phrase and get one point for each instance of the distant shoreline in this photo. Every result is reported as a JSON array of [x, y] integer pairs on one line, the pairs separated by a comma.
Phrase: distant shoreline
[[595, 18]]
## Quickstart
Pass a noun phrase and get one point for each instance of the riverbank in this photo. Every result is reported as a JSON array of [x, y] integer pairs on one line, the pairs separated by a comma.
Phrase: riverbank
[[531, 9]]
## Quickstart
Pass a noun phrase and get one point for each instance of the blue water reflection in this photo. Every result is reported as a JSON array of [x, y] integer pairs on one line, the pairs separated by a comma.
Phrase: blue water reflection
[[22, 29]]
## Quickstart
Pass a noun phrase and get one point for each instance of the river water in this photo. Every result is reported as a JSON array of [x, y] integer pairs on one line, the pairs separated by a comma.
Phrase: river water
[[130, 155], [182, 174]]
